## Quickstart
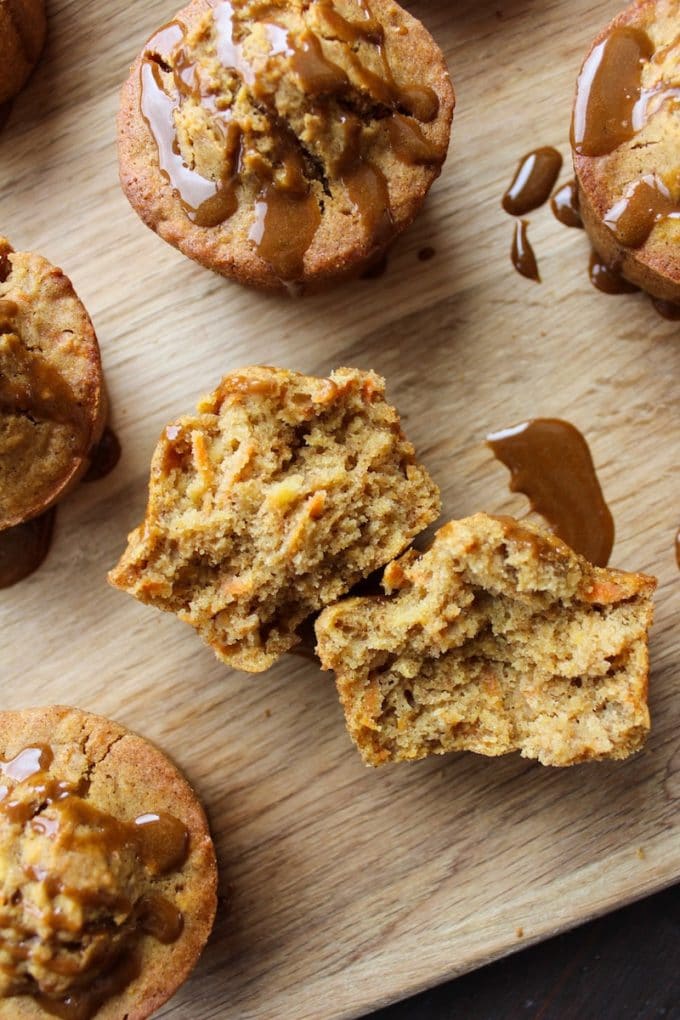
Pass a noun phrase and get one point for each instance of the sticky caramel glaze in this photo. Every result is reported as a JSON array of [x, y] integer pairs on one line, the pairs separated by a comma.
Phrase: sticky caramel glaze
[[159, 841], [287, 213], [82, 1005], [607, 279], [565, 205], [666, 309], [634, 216], [24, 548], [104, 457], [533, 181], [522, 254], [550, 463], [607, 90]]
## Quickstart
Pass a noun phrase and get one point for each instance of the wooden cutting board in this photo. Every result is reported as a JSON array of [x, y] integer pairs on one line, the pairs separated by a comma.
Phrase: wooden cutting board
[[344, 888]]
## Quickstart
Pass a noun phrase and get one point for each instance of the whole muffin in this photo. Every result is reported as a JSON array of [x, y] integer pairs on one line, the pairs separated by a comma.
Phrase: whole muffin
[[626, 145], [22, 34], [52, 399], [284, 143], [107, 870]]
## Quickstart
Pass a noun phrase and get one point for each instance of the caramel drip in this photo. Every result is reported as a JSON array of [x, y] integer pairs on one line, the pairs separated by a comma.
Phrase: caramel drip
[[522, 254], [5, 111], [607, 279], [83, 1004], [54, 809], [607, 91], [317, 74], [24, 548], [551, 464], [634, 216], [160, 918], [368, 193], [284, 228], [409, 143], [565, 205], [167, 77], [666, 309], [104, 457], [651, 101], [533, 181], [426, 253], [37, 389]]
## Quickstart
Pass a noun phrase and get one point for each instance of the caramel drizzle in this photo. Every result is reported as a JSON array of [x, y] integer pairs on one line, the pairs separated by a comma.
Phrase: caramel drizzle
[[291, 200], [645, 204], [522, 254], [550, 462], [24, 547], [608, 90], [606, 278], [565, 205], [533, 181], [159, 841]]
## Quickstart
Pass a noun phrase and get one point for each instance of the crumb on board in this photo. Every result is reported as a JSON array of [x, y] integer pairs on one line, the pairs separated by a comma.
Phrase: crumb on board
[[640, 853], [519, 932]]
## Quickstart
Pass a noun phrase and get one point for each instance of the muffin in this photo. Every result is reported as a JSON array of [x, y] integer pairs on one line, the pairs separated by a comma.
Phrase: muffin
[[626, 144], [277, 496], [498, 638], [284, 144], [52, 397], [107, 870], [22, 34]]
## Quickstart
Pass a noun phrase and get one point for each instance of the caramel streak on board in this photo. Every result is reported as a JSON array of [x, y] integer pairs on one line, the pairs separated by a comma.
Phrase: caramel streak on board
[[533, 181], [522, 254], [550, 462]]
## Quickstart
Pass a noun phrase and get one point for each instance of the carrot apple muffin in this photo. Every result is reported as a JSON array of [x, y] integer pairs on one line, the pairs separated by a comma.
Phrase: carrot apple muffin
[[22, 35], [52, 398], [107, 870], [626, 145], [278, 495], [498, 638], [284, 142]]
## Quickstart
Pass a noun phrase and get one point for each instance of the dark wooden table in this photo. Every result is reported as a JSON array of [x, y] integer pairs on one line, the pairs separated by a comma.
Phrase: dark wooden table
[[625, 966]]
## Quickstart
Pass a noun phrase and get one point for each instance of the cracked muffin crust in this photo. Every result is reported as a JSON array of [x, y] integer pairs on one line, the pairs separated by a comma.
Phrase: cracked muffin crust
[[107, 870], [288, 141], [22, 34], [277, 496], [626, 146], [498, 638], [52, 398]]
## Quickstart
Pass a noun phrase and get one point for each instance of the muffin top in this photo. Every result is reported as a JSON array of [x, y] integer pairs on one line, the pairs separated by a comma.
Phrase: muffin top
[[107, 872], [626, 132], [284, 139], [52, 399]]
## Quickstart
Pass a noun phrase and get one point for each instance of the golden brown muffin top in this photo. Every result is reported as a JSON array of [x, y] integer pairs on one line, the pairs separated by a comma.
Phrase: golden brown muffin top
[[317, 118], [100, 842]]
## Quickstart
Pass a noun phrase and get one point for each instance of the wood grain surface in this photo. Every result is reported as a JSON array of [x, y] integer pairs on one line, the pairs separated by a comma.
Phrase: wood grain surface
[[345, 888]]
